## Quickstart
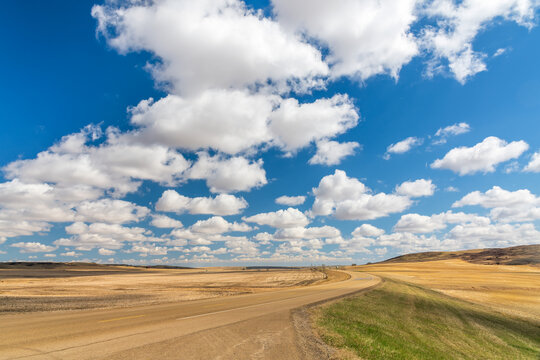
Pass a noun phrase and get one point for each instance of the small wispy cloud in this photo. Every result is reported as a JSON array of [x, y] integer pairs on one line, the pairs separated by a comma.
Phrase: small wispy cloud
[[402, 146], [444, 133]]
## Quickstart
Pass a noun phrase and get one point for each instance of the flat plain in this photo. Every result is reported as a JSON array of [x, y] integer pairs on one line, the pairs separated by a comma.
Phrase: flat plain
[[258, 324], [46, 287]]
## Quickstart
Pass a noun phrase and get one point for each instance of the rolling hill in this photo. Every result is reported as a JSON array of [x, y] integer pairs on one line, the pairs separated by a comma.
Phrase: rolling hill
[[516, 255]]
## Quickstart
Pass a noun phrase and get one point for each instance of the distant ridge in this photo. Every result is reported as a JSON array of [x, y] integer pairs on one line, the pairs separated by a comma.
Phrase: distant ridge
[[516, 255]]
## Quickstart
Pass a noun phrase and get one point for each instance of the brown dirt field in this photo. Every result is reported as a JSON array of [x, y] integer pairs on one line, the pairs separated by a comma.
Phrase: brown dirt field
[[61, 288], [511, 289]]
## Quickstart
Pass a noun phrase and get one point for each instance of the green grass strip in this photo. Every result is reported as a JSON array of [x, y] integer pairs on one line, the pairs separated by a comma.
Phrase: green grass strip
[[398, 320]]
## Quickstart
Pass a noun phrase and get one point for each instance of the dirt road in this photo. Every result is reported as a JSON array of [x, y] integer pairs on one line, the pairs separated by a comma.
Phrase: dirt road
[[254, 326]]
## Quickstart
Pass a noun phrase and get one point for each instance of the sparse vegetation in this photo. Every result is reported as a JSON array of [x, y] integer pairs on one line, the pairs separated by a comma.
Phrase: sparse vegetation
[[399, 320]]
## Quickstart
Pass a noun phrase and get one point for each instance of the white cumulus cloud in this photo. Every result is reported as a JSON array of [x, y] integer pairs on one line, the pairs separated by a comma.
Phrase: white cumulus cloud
[[484, 156], [232, 174], [33, 247], [364, 38], [163, 221], [348, 199], [223, 204], [288, 218], [218, 225], [332, 152], [367, 230], [506, 206], [230, 121], [417, 188], [209, 44], [295, 125], [290, 200], [458, 24]]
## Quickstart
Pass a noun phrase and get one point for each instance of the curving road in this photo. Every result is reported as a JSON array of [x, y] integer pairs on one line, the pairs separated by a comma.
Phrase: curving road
[[254, 326]]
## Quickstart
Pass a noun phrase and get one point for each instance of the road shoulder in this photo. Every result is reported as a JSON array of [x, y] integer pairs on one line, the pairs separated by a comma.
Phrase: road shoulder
[[310, 343]]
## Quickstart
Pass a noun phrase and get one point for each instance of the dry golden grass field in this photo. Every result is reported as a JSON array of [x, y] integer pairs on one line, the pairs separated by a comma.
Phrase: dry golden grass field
[[79, 286], [513, 289]]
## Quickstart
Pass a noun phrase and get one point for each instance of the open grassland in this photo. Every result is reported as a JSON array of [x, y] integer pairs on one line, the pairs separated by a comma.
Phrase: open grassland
[[65, 286], [399, 320], [514, 290]]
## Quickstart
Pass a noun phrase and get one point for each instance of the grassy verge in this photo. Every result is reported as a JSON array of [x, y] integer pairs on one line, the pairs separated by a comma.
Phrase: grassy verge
[[403, 321]]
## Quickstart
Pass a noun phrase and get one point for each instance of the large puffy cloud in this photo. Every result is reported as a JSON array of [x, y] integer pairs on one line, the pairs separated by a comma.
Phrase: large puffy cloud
[[215, 44], [332, 152], [369, 207], [364, 38], [409, 242], [218, 225], [163, 221], [122, 233], [37, 202], [242, 247], [26, 209], [65, 182], [417, 188], [339, 187], [493, 235], [506, 206], [348, 199], [416, 223], [100, 235], [110, 211], [223, 204], [288, 218], [149, 249], [13, 228], [116, 164], [295, 125], [498, 197], [470, 231], [228, 174], [367, 230], [234, 121], [459, 23], [484, 156], [230, 121], [209, 44]]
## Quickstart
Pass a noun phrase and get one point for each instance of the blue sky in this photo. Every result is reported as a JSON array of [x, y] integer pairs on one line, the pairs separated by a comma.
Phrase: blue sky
[[337, 107]]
